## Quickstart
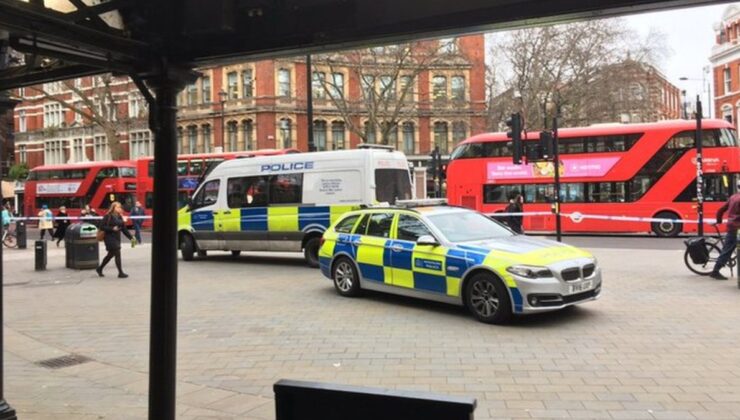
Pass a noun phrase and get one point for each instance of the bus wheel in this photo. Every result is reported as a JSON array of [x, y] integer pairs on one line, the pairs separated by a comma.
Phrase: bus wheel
[[187, 247], [311, 251], [667, 228]]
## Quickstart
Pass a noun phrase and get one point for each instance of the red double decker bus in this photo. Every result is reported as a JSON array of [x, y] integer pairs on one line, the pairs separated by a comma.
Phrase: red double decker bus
[[75, 185], [615, 170], [190, 168]]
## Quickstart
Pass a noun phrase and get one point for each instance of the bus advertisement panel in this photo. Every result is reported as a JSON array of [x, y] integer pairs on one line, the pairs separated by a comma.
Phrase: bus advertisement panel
[[76, 185], [619, 170]]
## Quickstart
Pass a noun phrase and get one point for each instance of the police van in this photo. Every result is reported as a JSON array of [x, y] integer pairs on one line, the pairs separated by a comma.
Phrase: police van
[[286, 202]]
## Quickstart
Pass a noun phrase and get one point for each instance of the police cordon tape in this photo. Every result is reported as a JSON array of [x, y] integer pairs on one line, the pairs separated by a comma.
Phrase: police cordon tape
[[75, 218], [577, 217]]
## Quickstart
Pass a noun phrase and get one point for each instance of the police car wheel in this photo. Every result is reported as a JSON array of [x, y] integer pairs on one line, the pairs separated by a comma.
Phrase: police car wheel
[[487, 299], [345, 277], [187, 248], [311, 252]]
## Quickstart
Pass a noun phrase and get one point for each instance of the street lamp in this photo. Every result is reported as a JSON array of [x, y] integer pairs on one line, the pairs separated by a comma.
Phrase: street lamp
[[222, 100], [705, 86]]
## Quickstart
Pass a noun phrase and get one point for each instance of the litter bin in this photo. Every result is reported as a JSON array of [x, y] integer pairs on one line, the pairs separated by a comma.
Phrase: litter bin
[[40, 249], [20, 233], [81, 246]]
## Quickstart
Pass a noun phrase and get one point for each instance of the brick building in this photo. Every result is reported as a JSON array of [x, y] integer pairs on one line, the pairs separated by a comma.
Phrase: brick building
[[725, 60], [249, 106]]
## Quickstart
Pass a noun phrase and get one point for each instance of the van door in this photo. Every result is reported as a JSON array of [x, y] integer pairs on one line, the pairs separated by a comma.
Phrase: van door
[[244, 218], [203, 216], [285, 197]]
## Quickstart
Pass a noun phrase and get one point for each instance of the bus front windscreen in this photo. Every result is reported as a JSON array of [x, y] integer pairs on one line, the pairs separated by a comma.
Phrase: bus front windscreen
[[392, 185]]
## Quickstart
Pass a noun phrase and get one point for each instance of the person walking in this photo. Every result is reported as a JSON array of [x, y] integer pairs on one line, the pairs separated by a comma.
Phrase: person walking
[[113, 225], [89, 215], [63, 222], [6, 217], [137, 213], [516, 205], [732, 207], [46, 222]]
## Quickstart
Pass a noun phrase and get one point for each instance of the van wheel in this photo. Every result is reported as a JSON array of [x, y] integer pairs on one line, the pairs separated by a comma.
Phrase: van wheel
[[668, 228], [311, 251], [187, 247], [488, 299], [236, 253]]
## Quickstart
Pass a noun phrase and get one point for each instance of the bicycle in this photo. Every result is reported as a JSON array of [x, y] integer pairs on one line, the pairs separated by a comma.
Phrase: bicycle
[[702, 263], [10, 238]]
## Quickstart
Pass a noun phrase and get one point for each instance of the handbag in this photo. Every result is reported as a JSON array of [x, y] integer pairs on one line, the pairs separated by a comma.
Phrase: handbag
[[101, 235]]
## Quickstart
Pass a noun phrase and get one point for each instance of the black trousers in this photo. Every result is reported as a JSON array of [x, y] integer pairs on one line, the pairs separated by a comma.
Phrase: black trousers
[[113, 254], [51, 233]]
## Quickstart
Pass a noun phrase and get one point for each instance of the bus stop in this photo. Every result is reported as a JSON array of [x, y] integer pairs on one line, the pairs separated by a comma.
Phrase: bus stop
[[158, 43]]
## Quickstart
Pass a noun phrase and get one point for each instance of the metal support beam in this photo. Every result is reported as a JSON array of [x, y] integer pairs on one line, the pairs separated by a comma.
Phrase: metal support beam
[[163, 330]]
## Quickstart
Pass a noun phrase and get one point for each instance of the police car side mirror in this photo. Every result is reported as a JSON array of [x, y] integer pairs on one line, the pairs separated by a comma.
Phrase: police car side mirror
[[427, 240]]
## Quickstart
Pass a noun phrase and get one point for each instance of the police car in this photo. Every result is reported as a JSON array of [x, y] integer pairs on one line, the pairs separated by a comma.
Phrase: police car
[[458, 256]]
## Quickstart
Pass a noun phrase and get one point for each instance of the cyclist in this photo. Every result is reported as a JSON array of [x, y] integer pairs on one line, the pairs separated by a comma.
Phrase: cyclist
[[732, 207]]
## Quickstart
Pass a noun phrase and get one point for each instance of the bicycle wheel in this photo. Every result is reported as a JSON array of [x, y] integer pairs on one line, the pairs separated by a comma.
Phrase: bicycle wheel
[[10, 241], [703, 269]]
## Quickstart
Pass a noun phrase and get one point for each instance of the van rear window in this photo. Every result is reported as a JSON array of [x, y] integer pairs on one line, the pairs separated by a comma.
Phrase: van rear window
[[392, 185]]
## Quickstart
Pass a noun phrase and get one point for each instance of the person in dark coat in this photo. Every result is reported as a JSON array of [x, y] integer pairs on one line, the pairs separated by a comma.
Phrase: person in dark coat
[[137, 213], [516, 205], [63, 223], [113, 225]]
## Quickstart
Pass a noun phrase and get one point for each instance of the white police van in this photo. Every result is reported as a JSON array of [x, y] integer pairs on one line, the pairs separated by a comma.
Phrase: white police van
[[286, 202]]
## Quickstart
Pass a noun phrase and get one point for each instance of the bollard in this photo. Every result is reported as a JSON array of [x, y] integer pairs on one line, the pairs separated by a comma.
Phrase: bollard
[[40, 249], [20, 233]]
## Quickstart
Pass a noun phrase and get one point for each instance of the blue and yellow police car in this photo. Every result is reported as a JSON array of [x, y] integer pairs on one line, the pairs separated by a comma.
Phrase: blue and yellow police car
[[455, 255]]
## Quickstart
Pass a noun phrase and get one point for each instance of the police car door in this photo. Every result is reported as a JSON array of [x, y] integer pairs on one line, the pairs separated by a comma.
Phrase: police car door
[[373, 247], [415, 266], [202, 218]]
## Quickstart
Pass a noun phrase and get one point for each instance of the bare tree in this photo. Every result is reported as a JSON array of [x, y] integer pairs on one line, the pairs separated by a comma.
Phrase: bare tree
[[388, 77], [590, 67], [95, 104]]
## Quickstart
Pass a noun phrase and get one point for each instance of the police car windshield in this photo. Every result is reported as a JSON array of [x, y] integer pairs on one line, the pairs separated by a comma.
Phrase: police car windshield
[[468, 226]]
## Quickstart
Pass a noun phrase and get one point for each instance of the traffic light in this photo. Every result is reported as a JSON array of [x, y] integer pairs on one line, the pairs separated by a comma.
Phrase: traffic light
[[546, 145], [515, 134]]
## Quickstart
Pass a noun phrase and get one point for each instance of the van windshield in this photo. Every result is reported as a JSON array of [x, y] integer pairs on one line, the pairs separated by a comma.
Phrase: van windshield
[[392, 185]]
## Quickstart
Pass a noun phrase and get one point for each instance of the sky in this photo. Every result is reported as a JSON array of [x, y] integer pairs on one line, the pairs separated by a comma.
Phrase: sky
[[690, 36]]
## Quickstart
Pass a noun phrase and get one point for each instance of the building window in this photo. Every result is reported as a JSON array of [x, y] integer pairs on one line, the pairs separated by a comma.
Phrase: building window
[[448, 45], [458, 132], [370, 133], [22, 127], [368, 86], [232, 136], [727, 114], [248, 138], [78, 150], [54, 152], [140, 144], [337, 90], [286, 139], [439, 88], [22, 154], [319, 135], [192, 94], [409, 147], [337, 135], [232, 85], [317, 85], [728, 80], [247, 83], [136, 106], [284, 83], [101, 151], [440, 137], [388, 87], [179, 140], [205, 86], [192, 138], [391, 135], [406, 87], [457, 88], [53, 116], [206, 138]]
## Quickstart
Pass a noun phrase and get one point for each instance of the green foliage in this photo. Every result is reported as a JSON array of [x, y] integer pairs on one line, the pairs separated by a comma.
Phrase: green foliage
[[19, 171]]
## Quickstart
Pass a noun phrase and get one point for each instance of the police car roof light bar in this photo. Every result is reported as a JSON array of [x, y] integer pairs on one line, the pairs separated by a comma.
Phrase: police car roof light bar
[[376, 146], [426, 202]]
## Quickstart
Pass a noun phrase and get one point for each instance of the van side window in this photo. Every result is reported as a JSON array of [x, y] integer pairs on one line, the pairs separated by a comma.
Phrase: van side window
[[380, 225], [346, 225], [286, 189], [207, 195], [250, 191]]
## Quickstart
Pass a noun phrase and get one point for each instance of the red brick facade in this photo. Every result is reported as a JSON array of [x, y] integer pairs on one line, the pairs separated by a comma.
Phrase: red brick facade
[[725, 60]]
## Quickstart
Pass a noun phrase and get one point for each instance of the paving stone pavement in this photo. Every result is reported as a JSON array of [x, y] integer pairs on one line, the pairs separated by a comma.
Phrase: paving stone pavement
[[660, 344]]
